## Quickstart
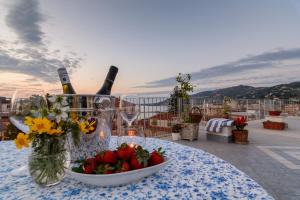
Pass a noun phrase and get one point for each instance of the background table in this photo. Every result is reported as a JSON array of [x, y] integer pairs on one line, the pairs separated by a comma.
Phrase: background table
[[193, 174]]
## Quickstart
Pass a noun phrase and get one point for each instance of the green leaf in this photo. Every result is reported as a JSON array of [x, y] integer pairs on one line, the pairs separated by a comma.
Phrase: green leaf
[[77, 169]]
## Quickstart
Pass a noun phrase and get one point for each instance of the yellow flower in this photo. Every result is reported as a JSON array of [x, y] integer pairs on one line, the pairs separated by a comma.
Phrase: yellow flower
[[91, 126], [54, 132], [41, 125], [22, 141], [28, 121], [82, 127], [86, 127]]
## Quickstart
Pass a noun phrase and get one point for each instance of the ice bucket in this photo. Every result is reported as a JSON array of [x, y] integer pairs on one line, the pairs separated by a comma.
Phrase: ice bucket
[[100, 108]]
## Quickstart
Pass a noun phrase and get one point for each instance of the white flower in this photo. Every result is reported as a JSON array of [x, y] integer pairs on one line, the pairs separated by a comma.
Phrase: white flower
[[56, 106], [64, 101], [52, 99], [65, 109], [62, 114]]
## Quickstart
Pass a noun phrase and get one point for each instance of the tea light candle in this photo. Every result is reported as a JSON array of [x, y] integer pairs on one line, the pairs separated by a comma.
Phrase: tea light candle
[[102, 136], [131, 132]]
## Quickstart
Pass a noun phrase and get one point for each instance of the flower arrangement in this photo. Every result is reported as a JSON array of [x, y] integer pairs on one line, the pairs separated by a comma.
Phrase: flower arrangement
[[48, 128], [240, 123]]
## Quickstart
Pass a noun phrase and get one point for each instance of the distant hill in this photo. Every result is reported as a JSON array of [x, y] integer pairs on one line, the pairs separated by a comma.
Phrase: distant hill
[[282, 91]]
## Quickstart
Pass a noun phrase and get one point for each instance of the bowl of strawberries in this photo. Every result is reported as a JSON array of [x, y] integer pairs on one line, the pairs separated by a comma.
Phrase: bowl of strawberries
[[126, 164]]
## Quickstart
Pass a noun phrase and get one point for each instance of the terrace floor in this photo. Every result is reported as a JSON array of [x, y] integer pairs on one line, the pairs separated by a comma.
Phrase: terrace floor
[[272, 158]]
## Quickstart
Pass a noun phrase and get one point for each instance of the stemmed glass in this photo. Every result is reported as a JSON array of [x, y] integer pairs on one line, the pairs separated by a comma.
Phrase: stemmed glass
[[129, 127], [22, 103]]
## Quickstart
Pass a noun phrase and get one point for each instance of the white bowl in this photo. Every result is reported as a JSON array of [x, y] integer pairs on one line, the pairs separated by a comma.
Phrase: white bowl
[[118, 178]]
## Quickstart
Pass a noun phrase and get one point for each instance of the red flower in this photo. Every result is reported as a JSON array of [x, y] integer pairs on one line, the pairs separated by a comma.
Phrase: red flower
[[240, 123]]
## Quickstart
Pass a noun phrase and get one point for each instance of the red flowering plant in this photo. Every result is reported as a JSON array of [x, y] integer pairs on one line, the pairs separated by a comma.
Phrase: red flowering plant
[[240, 123]]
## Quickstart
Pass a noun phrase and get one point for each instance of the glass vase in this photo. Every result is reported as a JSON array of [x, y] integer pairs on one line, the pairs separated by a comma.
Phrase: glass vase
[[48, 160]]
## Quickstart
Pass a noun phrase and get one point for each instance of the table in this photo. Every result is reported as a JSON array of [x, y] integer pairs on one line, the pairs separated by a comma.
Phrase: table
[[193, 174]]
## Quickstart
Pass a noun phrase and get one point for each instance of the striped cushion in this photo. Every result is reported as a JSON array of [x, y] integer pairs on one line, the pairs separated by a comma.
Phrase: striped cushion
[[216, 124]]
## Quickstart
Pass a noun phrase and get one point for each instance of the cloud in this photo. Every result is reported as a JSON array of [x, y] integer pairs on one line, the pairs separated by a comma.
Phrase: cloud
[[258, 63], [29, 55], [279, 55], [34, 62], [24, 18]]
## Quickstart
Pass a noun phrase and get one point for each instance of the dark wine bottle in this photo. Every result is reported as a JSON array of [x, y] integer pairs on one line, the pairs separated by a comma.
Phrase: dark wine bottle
[[65, 81], [109, 81]]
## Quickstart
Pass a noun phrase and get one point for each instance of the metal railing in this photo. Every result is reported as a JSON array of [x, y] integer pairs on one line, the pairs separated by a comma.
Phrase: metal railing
[[157, 118]]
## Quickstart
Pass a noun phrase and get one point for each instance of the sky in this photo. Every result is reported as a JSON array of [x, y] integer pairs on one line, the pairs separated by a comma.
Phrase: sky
[[221, 43]]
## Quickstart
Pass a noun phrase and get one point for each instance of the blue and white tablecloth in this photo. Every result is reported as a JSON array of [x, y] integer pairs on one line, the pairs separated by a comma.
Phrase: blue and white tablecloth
[[193, 174]]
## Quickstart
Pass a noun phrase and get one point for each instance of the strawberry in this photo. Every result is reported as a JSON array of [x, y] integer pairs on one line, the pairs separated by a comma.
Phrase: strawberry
[[139, 158], [89, 165], [134, 163], [99, 157], [91, 161], [124, 152], [109, 157], [87, 169], [156, 157], [125, 167]]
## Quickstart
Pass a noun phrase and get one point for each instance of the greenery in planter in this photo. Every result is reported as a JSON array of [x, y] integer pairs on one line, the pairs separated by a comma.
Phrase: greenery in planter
[[176, 128], [181, 90], [227, 107]]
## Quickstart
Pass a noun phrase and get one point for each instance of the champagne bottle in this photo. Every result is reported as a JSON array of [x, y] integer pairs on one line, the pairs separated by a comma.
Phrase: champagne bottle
[[68, 89], [65, 81], [109, 81]]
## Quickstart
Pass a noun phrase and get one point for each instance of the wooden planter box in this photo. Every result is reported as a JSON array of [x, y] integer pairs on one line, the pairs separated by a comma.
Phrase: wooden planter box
[[189, 131], [274, 125], [240, 137]]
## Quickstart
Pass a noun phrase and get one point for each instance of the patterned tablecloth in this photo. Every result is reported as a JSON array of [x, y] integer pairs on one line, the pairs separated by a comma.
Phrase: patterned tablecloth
[[193, 174]]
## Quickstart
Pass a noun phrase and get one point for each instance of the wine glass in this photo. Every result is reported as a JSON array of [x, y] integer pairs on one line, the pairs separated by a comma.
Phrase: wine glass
[[129, 127], [22, 104], [129, 108]]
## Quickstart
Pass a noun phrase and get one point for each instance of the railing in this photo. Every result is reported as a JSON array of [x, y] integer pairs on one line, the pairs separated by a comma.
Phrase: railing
[[157, 119], [155, 116]]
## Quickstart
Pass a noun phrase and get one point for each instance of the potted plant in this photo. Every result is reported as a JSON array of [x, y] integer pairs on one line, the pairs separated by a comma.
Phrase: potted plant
[[226, 107], [240, 135], [176, 128], [274, 113], [179, 104]]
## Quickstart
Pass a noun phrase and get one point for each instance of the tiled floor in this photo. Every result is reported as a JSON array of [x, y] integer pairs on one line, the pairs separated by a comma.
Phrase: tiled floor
[[288, 156], [271, 158]]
